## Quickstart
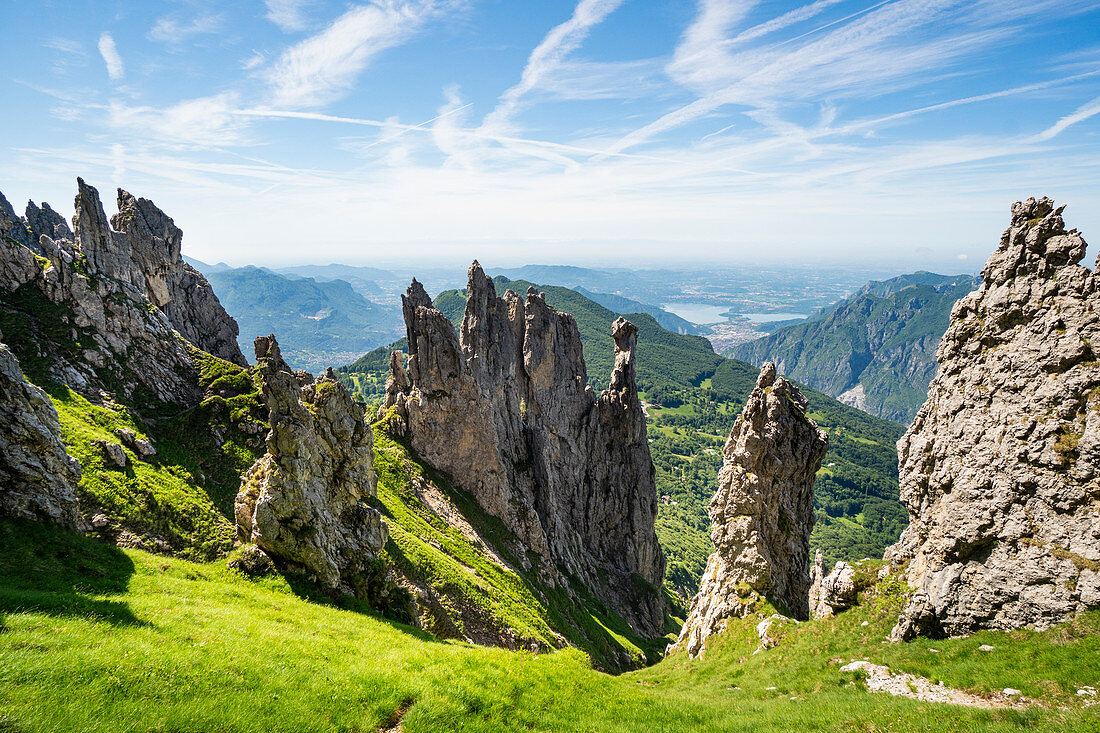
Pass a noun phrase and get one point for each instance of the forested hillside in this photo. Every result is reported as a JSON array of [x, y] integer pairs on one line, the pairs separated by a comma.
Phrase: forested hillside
[[319, 323], [875, 350]]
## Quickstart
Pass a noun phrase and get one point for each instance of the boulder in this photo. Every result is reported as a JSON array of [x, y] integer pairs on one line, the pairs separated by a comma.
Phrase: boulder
[[830, 594]]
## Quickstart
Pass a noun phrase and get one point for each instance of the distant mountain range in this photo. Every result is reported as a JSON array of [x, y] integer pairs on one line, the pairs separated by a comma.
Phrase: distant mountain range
[[603, 281], [875, 350], [620, 304], [364, 279], [319, 322]]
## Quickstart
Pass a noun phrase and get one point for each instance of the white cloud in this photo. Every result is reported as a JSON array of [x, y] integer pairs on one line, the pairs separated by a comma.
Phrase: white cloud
[[289, 15], [562, 40], [65, 45], [172, 30], [110, 56], [783, 21], [1081, 114], [255, 61], [203, 122], [887, 50], [702, 58], [324, 66]]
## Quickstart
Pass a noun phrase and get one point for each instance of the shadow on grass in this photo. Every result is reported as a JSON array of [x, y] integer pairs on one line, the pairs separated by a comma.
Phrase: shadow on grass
[[48, 570], [397, 618]]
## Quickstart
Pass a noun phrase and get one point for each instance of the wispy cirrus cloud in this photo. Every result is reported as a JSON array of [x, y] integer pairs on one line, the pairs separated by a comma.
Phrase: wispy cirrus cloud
[[171, 29], [701, 57], [839, 119], [111, 57], [883, 51], [324, 66], [1080, 114], [65, 45], [289, 15], [202, 122], [549, 55]]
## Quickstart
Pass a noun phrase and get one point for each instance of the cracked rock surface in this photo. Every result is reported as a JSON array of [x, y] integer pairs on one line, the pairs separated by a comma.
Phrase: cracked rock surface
[[304, 501], [1000, 470], [113, 306], [37, 477], [505, 410]]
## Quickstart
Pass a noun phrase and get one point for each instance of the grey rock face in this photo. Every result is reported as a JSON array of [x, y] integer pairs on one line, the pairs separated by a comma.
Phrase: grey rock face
[[1000, 470], [37, 477], [830, 594], [45, 222], [13, 228], [506, 411], [122, 296], [761, 514], [142, 247], [303, 502]]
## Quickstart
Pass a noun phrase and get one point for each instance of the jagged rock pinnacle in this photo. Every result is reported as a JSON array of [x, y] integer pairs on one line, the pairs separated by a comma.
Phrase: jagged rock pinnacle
[[1000, 469], [504, 408], [761, 514], [302, 501]]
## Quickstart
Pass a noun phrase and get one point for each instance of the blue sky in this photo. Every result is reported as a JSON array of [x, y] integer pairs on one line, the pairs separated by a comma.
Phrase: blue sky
[[613, 131]]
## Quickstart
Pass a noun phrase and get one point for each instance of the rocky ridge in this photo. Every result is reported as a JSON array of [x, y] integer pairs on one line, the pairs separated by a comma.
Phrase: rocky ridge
[[108, 311], [1000, 469], [95, 317], [504, 409], [761, 514], [303, 502]]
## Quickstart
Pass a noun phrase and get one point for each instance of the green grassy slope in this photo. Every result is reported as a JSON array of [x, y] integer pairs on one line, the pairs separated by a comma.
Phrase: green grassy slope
[[93, 638], [473, 595]]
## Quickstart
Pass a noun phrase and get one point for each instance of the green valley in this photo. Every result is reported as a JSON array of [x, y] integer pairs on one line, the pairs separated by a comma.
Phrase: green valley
[[692, 398]]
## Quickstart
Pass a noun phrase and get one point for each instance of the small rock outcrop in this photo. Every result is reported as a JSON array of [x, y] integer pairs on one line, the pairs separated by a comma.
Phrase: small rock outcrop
[[761, 514], [832, 593], [1000, 470], [303, 502], [37, 477], [505, 410]]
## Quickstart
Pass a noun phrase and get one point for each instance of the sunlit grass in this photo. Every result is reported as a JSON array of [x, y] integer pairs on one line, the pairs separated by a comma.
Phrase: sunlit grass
[[99, 639]]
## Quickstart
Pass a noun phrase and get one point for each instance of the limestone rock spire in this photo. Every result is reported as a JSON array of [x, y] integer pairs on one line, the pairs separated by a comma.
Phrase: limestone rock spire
[[504, 407], [1000, 469], [761, 514]]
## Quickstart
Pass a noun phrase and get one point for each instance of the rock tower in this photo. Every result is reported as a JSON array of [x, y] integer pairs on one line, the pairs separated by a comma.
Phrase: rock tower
[[761, 514], [1000, 470]]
